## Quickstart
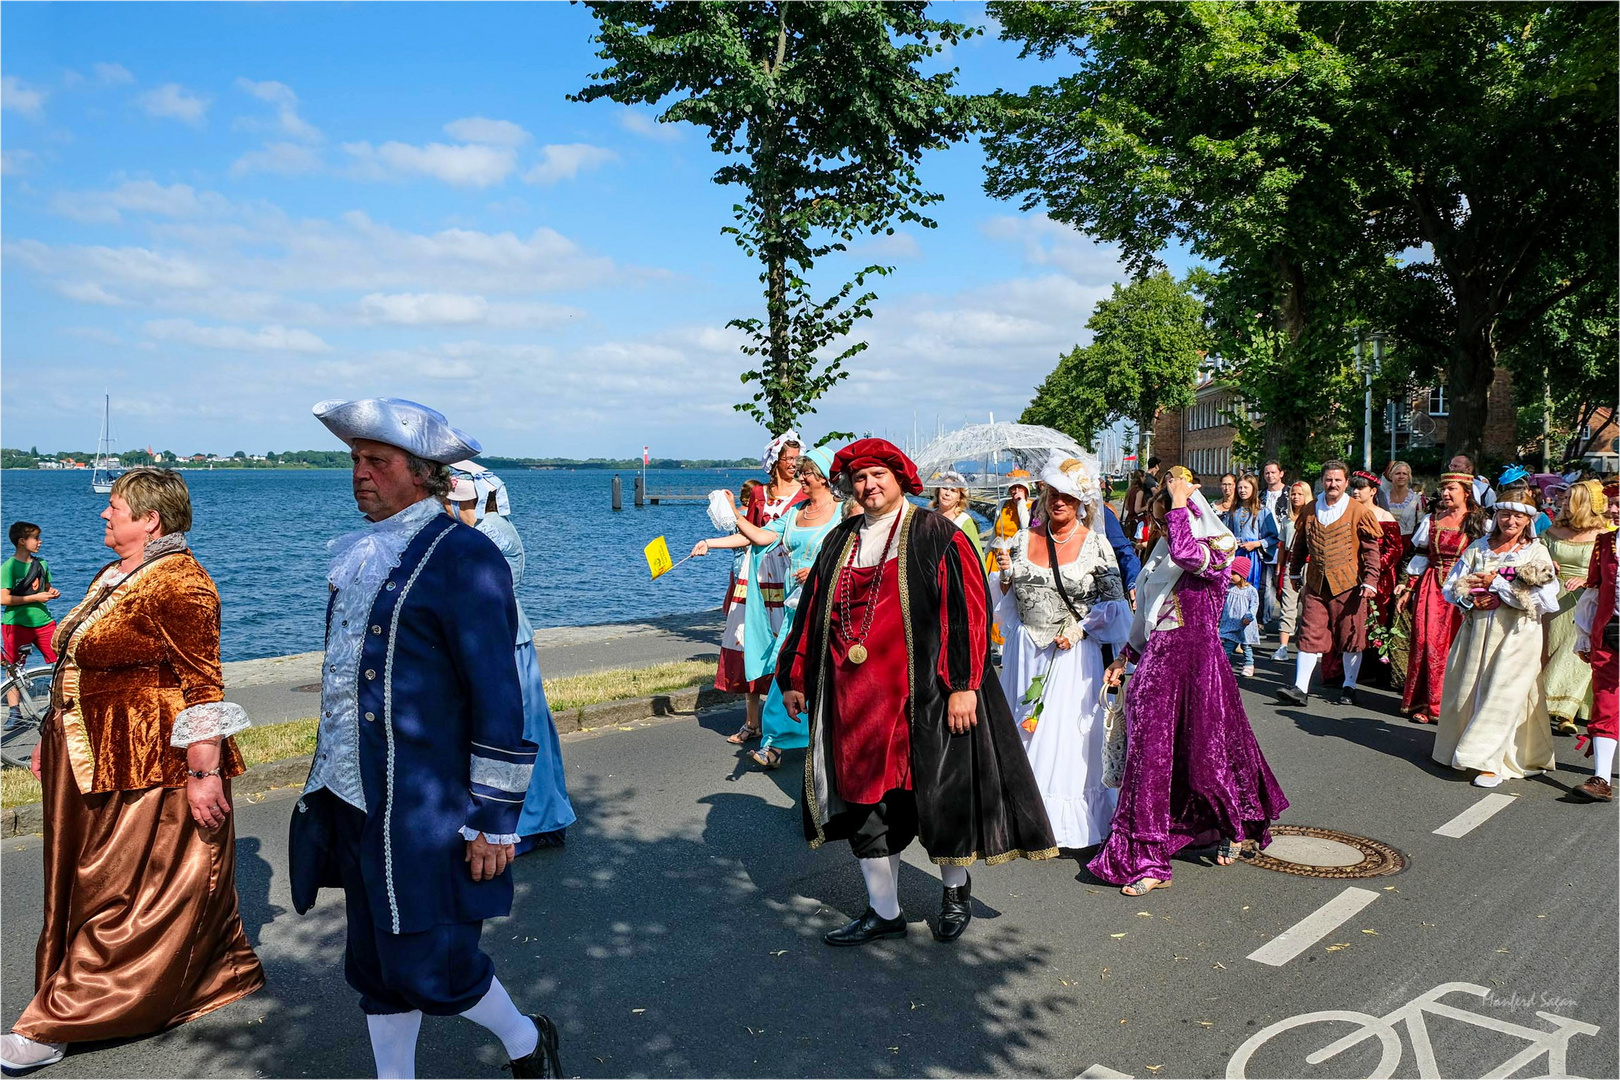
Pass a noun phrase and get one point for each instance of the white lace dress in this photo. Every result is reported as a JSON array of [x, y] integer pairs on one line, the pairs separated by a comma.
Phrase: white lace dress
[[1065, 745]]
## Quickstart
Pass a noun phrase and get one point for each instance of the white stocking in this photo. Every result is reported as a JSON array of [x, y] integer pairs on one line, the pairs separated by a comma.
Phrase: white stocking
[[1352, 669], [882, 887], [393, 1043], [1602, 757], [1304, 664], [954, 877], [496, 1012]]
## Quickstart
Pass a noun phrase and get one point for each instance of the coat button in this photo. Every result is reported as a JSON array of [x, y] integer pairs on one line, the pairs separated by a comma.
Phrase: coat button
[[328, 712], [371, 716], [376, 629], [345, 622], [332, 667], [390, 586], [371, 673]]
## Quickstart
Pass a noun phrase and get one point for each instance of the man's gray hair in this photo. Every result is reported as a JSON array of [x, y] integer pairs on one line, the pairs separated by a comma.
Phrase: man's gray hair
[[437, 476]]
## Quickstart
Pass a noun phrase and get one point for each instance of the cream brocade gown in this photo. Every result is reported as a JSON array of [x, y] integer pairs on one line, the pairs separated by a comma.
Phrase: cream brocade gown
[[1493, 711], [1569, 678]]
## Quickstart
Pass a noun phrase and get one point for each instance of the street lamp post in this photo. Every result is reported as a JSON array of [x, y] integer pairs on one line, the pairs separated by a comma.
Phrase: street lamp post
[[1367, 369]]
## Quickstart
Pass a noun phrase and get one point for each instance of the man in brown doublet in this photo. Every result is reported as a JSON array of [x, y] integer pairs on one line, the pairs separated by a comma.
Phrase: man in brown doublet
[[1336, 548]]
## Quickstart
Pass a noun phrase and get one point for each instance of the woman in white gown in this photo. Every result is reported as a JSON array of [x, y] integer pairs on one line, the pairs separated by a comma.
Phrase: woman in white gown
[[1059, 637], [1493, 710]]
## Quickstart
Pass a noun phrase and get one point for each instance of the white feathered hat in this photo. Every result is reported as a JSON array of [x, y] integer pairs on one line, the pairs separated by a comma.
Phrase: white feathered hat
[[1075, 477]]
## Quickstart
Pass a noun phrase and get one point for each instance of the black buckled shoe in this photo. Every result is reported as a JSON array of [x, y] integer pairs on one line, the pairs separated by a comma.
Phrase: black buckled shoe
[[954, 912], [543, 1061], [869, 927], [1292, 695], [1346, 696]]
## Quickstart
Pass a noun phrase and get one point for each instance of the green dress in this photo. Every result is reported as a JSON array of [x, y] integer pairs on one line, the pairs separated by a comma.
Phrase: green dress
[[1569, 678]]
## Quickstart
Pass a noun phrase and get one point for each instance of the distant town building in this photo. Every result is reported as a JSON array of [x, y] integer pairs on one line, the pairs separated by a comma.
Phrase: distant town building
[[1202, 437]]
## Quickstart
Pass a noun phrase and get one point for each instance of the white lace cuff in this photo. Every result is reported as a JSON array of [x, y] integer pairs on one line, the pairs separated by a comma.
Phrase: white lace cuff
[[470, 834], [213, 720]]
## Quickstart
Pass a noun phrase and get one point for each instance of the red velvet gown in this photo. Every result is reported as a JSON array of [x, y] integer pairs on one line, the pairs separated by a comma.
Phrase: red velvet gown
[[730, 676], [1434, 621]]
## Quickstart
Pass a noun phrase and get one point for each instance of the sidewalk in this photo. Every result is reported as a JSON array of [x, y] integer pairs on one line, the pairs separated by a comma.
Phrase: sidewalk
[[281, 688]]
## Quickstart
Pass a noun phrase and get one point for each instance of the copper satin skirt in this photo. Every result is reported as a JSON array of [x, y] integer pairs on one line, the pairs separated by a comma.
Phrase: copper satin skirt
[[141, 924]]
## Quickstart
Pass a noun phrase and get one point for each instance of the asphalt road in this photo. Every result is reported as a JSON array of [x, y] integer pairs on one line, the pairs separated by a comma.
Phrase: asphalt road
[[678, 934]]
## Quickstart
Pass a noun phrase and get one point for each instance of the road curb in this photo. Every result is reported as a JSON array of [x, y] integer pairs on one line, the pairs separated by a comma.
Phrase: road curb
[[29, 819]]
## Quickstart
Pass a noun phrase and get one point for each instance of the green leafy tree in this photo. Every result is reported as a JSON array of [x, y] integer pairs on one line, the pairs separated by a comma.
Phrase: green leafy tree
[[1301, 147], [1147, 341], [823, 114]]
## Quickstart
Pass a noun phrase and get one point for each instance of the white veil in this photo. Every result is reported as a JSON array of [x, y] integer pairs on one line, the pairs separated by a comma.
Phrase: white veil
[[1160, 573]]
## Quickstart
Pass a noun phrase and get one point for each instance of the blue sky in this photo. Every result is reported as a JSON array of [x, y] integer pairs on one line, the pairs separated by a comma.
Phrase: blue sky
[[222, 213]]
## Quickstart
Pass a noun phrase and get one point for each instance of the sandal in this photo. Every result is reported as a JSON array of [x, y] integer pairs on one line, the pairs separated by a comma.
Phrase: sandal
[[1143, 886], [1419, 718], [766, 757], [745, 735], [1230, 850]]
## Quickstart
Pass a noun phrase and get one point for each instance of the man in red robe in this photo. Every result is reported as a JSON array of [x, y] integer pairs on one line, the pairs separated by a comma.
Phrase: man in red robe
[[888, 657], [1595, 619]]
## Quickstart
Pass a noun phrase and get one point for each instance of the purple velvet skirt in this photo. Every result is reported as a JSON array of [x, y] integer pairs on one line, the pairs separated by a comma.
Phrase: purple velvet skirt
[[1194, 774]]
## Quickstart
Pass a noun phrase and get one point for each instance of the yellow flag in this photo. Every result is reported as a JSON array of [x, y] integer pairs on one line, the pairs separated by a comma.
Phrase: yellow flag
[[658, 560]]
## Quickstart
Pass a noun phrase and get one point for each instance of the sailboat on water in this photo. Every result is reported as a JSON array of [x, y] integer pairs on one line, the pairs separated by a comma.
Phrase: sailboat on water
[[106, 468]]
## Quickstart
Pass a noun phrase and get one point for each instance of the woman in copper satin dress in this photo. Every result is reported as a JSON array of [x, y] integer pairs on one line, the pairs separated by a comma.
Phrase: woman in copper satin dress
[[141, 928]]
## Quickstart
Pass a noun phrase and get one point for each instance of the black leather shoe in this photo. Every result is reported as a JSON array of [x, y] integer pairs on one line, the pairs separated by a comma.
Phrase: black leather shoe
[[869, 927], [1292, 695], [543, 1060], [954, 912], [1346, 696]]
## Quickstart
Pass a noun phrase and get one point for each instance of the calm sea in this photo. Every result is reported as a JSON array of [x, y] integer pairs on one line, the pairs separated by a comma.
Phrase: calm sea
[[262, 535]]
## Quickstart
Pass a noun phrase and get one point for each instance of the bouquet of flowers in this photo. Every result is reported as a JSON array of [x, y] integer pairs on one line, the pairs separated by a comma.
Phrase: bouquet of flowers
[[1383, 638]]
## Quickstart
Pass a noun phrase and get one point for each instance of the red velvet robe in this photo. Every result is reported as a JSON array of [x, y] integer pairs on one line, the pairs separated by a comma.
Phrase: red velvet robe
[[1605, 670], [1434, 622]]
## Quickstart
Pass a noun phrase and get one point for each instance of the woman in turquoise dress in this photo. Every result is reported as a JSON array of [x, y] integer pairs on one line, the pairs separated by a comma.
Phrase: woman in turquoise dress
[[799, 534]]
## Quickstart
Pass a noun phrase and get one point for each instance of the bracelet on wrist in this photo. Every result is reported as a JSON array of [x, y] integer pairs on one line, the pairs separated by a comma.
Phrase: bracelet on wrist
[[201, 774]]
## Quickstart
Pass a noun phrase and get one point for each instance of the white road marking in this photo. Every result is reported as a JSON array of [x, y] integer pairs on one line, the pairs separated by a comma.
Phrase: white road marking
[[1475, 816], [1313, 927], [1103, 1072]]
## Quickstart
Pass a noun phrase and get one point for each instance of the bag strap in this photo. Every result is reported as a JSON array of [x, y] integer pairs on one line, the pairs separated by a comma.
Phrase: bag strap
[[1057, 574]]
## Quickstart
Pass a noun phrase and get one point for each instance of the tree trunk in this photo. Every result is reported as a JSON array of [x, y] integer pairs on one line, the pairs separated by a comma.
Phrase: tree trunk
[[1468, 382]]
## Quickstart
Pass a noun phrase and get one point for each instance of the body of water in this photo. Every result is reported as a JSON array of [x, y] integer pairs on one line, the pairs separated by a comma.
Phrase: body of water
[[262, 535]]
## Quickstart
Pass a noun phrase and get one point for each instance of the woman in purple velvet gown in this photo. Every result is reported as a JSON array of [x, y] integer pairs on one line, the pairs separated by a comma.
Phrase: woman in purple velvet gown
[[1194, 774]]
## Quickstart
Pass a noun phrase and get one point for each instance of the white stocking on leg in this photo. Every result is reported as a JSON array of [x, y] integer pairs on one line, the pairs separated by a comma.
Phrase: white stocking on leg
[[882, 886], [496, 1012], [954, 877], [393, 1043], [1304, 664], [1352, 669], [1602, 757]]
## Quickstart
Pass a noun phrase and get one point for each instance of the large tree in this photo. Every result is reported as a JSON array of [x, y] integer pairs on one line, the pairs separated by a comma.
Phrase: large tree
[[1301, 147], [1147, 341], [823, 113]]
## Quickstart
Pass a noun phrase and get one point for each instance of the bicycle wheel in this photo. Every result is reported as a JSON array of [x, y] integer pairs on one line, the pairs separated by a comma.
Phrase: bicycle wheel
[[1389, 1041], [33, 688]]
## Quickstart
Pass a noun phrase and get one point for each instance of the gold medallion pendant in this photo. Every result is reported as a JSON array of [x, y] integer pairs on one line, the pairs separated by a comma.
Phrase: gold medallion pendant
[[857, 653]]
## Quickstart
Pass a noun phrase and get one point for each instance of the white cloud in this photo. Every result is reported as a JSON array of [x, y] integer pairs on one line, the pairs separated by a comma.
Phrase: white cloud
[[94, 333], [478, 129], [286, 102], [174, 102], [137, 196], [88, 292], [565, 161], [459, 309], [1050, 243], [15, 162], [113, 74], [235, 338], [281, 158], [71, 77], [647, 126], [471, 165], [19, 97]]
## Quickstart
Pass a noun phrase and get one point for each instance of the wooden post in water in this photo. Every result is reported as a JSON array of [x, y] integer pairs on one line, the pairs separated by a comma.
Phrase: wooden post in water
[[641, 489], [618, 492]]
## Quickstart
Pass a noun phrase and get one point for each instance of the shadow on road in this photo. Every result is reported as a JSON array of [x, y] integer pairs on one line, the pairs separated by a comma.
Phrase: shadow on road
[[667, 955]]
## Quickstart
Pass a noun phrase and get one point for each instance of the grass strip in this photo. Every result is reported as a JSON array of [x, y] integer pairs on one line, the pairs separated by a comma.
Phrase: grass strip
[[296, 738]]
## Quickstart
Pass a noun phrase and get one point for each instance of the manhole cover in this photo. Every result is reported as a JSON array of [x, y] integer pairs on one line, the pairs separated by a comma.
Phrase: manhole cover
[[1325, 853], [308, 688]]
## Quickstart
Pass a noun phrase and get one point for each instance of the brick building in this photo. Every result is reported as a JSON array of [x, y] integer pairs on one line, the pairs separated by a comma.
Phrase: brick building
[[1200, 437]]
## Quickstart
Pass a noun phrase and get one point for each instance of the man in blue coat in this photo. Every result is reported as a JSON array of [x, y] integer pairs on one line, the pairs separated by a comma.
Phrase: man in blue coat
[[412, 802]]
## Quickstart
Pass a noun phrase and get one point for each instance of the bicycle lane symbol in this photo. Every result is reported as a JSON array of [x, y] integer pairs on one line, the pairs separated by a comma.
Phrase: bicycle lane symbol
[[1554, 1044]]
